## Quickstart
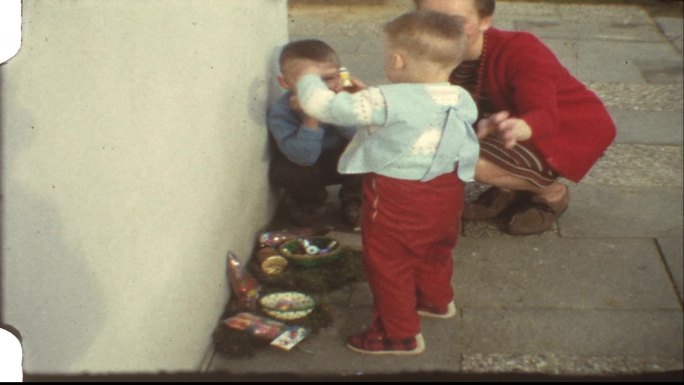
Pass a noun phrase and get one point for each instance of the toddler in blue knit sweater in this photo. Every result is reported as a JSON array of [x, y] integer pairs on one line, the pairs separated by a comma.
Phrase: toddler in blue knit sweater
[[415, 146]]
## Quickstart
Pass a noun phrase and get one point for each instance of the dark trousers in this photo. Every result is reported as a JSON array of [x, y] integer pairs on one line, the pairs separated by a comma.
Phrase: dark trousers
[[307, 184]]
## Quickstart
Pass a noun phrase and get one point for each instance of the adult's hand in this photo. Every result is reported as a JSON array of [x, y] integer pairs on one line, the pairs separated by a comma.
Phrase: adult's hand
[[294, 104], [510, 130], [514, 130], [489, 125]]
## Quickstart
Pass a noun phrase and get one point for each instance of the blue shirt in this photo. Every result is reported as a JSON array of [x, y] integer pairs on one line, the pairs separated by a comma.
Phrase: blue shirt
[[300, 144]]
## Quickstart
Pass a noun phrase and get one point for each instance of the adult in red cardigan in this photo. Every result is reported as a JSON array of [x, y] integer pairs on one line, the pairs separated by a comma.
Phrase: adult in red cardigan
[[537, 122]]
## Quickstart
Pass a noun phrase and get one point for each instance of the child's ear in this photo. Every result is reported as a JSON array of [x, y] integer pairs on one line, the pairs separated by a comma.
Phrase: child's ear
[[399, 62], [282, 82]]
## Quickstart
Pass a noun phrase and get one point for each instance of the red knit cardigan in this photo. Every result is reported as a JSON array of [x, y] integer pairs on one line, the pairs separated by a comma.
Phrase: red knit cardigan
[[571, 127]]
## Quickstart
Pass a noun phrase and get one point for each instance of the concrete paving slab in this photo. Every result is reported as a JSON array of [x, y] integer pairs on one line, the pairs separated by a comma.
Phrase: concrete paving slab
[[348, 239], [618, 61], [366, 66], [605, 14], [561, 274], [373, 46], [344, 19], [325, 30], [659, 70], [566, 52], [623, 212], [589, 333], [648, 127], [678, 42], [512, 10], [648, 165], [506, 24], [639, 97], [673, 28], [587, 30], [361, 295], [593, 68], [671, 249], [629, 51], [555, 364]]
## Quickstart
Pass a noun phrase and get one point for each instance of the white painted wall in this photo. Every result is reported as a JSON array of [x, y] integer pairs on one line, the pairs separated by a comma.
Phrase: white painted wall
[[134, 155]]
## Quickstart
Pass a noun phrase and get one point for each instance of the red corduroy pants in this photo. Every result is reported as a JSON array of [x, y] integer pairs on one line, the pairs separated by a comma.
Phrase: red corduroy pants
[[409, 229]]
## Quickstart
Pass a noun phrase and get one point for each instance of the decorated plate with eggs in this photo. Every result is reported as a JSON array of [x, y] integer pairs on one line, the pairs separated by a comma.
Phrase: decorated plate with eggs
[[287, 305], [311, 251]]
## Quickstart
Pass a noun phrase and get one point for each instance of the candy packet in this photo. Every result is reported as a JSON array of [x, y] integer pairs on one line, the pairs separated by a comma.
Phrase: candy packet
[[290, 337], [245, 287], [258, 326]]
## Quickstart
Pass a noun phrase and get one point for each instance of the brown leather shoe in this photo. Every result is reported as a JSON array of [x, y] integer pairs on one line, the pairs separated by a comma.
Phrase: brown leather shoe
[[538, 216], [489, 204]]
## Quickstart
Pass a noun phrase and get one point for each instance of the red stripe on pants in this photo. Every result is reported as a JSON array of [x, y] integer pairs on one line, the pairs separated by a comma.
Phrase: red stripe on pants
[[409, 229]]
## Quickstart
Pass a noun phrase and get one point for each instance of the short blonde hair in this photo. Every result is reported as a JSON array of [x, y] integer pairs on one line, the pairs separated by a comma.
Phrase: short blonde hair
[[485, 8], [429, 35]]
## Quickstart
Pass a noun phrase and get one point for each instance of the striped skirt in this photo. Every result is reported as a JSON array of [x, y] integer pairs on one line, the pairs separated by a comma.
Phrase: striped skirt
[[523, 161]]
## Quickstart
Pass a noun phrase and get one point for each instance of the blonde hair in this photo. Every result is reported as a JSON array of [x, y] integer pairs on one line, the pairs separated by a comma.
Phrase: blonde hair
[[429, 35], [485, 8]]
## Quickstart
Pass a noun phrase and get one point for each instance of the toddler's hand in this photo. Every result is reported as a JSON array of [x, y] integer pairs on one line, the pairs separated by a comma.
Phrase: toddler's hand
[[357, 85], [514, 130], [302, 67], [489, 125], [307, 121], [294, 104]]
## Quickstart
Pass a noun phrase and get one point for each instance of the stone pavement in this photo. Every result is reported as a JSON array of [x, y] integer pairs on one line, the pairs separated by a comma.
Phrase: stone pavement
[[601, 294]]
